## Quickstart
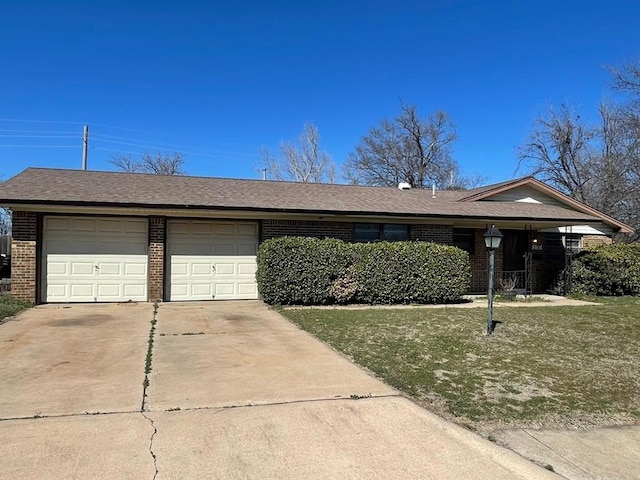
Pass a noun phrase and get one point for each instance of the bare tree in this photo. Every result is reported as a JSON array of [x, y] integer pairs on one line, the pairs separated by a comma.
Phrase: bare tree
[[598, 165], [626, 79], [557, 151], [303, 161], [5, 221], [161, 163], [407, 148]]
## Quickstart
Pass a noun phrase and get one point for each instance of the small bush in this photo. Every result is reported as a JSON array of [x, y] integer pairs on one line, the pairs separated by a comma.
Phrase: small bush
[[607, 270], [296, 270]]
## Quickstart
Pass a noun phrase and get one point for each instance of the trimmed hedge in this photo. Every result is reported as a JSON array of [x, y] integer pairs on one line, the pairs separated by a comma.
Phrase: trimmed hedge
[[607, 270], [308, 271], [298, 270]]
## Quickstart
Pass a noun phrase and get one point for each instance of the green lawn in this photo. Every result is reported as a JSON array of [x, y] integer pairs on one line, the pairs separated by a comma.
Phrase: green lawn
[[10, 306], [544, 366]]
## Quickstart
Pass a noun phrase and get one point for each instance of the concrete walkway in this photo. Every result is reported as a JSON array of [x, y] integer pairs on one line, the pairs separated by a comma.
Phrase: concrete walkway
[[469, 301], [235, 391], [611, 453]]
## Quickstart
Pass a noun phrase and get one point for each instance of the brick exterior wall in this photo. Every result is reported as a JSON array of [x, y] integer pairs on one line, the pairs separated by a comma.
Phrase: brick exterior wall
[[589, 241], [23, 256], [156, 258], [306, 228], [432, 233]]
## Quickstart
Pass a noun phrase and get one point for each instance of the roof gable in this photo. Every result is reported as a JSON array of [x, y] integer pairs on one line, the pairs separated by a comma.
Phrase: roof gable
[[529, 189]]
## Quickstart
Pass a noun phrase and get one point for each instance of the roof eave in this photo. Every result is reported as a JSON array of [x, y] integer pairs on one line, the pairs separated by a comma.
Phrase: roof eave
[[44, 205]]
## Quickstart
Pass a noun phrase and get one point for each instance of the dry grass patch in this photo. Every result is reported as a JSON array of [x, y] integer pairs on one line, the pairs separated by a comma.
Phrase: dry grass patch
[[544, 367], [10, 306]]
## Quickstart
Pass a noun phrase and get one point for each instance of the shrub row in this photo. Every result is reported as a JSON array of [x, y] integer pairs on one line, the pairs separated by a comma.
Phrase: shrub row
[[607, 270], [308, 271]]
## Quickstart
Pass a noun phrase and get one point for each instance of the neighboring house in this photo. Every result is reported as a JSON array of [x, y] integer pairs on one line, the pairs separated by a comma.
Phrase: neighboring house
[[84, 236]]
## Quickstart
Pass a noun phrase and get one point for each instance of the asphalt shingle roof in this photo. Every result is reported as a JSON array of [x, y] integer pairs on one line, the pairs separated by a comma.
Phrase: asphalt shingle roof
[[78, 187]]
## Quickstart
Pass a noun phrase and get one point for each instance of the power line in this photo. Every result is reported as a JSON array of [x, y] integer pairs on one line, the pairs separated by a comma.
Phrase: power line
[[34, 131], [201, 154], [38, 121], [37, 146], [104, 137], [37, 136]]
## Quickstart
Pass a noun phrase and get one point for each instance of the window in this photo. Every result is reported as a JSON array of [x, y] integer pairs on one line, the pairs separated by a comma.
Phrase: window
[[573, 242], [372, 232], [464, 239]]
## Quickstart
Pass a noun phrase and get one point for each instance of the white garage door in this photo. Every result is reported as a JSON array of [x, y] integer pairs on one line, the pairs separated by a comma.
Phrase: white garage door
[[212, 260], [93, 259]]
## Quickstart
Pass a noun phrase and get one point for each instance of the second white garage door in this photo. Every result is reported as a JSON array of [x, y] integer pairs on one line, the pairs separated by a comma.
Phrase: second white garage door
[[212, 260]]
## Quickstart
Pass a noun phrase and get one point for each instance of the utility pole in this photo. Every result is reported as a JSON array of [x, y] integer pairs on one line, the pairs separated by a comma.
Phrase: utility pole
[[85, 146]]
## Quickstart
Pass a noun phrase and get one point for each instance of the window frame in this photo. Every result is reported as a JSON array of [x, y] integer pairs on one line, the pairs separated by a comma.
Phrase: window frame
[[470, 243], [382, 230]]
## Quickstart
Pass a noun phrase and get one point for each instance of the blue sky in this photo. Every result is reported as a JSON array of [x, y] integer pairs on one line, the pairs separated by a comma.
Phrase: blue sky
[[218, 80]]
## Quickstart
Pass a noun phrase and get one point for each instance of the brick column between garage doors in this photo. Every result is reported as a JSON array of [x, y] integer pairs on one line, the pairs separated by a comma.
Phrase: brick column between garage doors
[[156, 258], [23, 255]]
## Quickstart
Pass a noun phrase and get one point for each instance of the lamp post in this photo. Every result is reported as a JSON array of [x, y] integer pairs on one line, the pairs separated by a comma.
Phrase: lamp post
[[492, 238]]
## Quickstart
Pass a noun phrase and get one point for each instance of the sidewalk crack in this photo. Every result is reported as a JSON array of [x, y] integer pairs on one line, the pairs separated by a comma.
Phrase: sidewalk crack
[[153, 455]]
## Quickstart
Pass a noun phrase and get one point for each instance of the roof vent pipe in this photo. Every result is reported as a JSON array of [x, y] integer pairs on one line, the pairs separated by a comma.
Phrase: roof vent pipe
[[433, 191], [404, 186]]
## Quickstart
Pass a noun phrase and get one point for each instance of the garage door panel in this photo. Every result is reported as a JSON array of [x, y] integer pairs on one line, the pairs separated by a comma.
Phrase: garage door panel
[[248, 229], [132, 226], [201, 228], [199, 245], [246, 248], [110, 269], [179, 290], [180, 269], [201, 269], [228, 248], [60, 291], [227, 289], [89, 259], [247, 269], [109, 291], [202, 289], [82, 290], [54, 224], [81, 269], [111, 226], [58, 268], [81, 224], [135, 268], [225, 269], [226, 228]]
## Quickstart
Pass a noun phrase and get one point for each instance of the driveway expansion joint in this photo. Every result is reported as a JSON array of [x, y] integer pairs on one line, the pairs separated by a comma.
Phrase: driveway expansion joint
[[221, 408], [149, 358], [66, 415]]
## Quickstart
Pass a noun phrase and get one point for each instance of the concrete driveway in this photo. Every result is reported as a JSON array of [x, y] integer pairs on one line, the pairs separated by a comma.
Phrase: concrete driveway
[[235, 391]]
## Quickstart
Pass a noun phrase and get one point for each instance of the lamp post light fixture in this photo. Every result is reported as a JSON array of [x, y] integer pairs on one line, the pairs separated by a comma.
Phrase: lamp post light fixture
[[492, 238]]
